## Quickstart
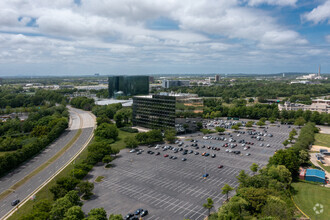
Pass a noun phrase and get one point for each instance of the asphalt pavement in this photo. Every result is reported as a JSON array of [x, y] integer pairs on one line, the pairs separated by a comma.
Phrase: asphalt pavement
[[79, 119]]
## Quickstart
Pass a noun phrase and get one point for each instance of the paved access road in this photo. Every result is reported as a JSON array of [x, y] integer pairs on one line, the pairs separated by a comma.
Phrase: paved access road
[[79, 119]]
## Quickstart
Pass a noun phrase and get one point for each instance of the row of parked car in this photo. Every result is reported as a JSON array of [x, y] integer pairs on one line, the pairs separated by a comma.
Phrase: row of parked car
[[138, 213]]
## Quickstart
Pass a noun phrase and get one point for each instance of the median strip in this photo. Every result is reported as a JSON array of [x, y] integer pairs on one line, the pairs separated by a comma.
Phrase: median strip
[[40, 168]]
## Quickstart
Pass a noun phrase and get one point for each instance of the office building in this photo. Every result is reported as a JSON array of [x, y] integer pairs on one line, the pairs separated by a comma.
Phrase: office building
[[174, 83], [128, 85], [217, 78], [319, 105], [168, 110]]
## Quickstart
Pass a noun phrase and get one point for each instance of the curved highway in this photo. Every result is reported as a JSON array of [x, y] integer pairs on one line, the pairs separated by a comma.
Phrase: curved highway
[[79, 119]]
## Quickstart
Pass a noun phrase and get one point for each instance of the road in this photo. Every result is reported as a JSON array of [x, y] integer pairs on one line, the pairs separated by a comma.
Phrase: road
[[79, 119]]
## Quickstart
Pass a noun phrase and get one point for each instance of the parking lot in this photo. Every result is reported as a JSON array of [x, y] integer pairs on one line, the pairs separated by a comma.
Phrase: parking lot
[[175, 189]]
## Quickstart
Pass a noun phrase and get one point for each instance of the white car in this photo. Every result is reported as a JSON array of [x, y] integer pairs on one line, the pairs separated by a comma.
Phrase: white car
[[132, 151]]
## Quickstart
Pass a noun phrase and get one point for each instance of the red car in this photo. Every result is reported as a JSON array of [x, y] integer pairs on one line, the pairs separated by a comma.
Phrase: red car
[[166, 155], [220, 166]]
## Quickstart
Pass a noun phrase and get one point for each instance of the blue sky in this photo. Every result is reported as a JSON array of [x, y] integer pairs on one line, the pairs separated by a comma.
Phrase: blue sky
[[79, 37]]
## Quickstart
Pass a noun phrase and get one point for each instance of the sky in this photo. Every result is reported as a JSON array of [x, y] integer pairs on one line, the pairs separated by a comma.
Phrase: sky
[[109, 37]]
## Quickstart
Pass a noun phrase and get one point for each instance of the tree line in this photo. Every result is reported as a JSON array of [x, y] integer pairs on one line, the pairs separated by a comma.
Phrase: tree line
[[25, 139]]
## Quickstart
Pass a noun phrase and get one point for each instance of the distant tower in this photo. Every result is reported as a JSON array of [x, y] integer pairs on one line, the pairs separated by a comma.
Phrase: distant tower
[[217, 78], [283, 75], [319, 71]]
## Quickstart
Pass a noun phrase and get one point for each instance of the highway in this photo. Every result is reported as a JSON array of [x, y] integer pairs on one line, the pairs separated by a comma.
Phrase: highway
[[79, 119]]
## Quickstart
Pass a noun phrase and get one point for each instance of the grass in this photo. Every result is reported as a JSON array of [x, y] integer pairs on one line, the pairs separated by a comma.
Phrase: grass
[[327, 168], [322, 140], [44, 193], [41, 167], [120, 144], [99, 179], [309, 195], [4, 152]]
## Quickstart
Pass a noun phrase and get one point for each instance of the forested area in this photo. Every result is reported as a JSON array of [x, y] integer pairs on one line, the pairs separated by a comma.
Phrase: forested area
[[24, 139], [266, 195], [264, 89], [214, 108]]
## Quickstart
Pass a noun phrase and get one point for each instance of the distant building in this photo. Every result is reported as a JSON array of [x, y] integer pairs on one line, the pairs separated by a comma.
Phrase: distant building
[[128, 85], [319, 105], [0, 81], [174, 83], [217, 78], [151, 79], [168, 110], [313, 75]]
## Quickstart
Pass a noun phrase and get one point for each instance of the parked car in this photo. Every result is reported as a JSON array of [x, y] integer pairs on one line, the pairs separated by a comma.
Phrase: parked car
[[166, 155], [144, 213], [220, 166], [138, 211]]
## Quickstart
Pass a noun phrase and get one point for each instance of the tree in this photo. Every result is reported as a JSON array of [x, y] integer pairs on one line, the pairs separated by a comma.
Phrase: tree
[[220, 129], [107, 131], [123, 116], [286, 142], [86, 188], [299, 121], [277, 208], [281, 174], [97, 213], [249, 124], [74, 213], [107, 159], [199, 125], [170, 135], [59, 208], [208, 205], [254, 167], [115, 217], [260, 123], [303, 156], [234, 209], [226, 189], [131, 142], [236, 127], [256, 197]]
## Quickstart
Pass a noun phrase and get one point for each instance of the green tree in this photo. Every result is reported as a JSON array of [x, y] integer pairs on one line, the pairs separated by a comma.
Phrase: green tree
[[131, 142], [208, 205], [170, 135], [236, 127], [299, 121], [107, 159], [249, 124], [115, 217], [97, 213], [107, 131], [74, 213], [260, 123], [59, 208], [276, 208], [254, 167], [286, 142], [85, 188], [220, 129], [226, 189]]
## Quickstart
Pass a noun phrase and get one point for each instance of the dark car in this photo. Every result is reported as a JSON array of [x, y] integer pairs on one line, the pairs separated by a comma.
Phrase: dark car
[[15, 202], [144, 213], [213, 155], [129, 216], [157, 153], [207, 154], [138, 211], [184, 159], [220, 166]]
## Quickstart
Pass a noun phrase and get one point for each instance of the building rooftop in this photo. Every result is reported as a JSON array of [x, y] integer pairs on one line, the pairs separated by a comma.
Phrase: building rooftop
[[315, 172]]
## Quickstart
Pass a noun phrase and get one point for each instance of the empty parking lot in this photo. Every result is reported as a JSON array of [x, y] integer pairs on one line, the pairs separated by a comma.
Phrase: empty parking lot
[[172, 188]]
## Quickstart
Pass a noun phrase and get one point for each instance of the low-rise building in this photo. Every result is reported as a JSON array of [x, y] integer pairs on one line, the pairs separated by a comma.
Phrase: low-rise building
[[319, 105]]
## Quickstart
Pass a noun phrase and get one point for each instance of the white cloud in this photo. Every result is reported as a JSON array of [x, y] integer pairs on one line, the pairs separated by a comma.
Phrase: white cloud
[[272, 2], [327, 38], [319, 14], [108, 32]]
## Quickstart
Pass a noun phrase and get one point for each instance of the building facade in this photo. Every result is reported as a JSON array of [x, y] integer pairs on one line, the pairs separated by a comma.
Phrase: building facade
[[319, 105], [168, 110], [128, 85], [174, 83]]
